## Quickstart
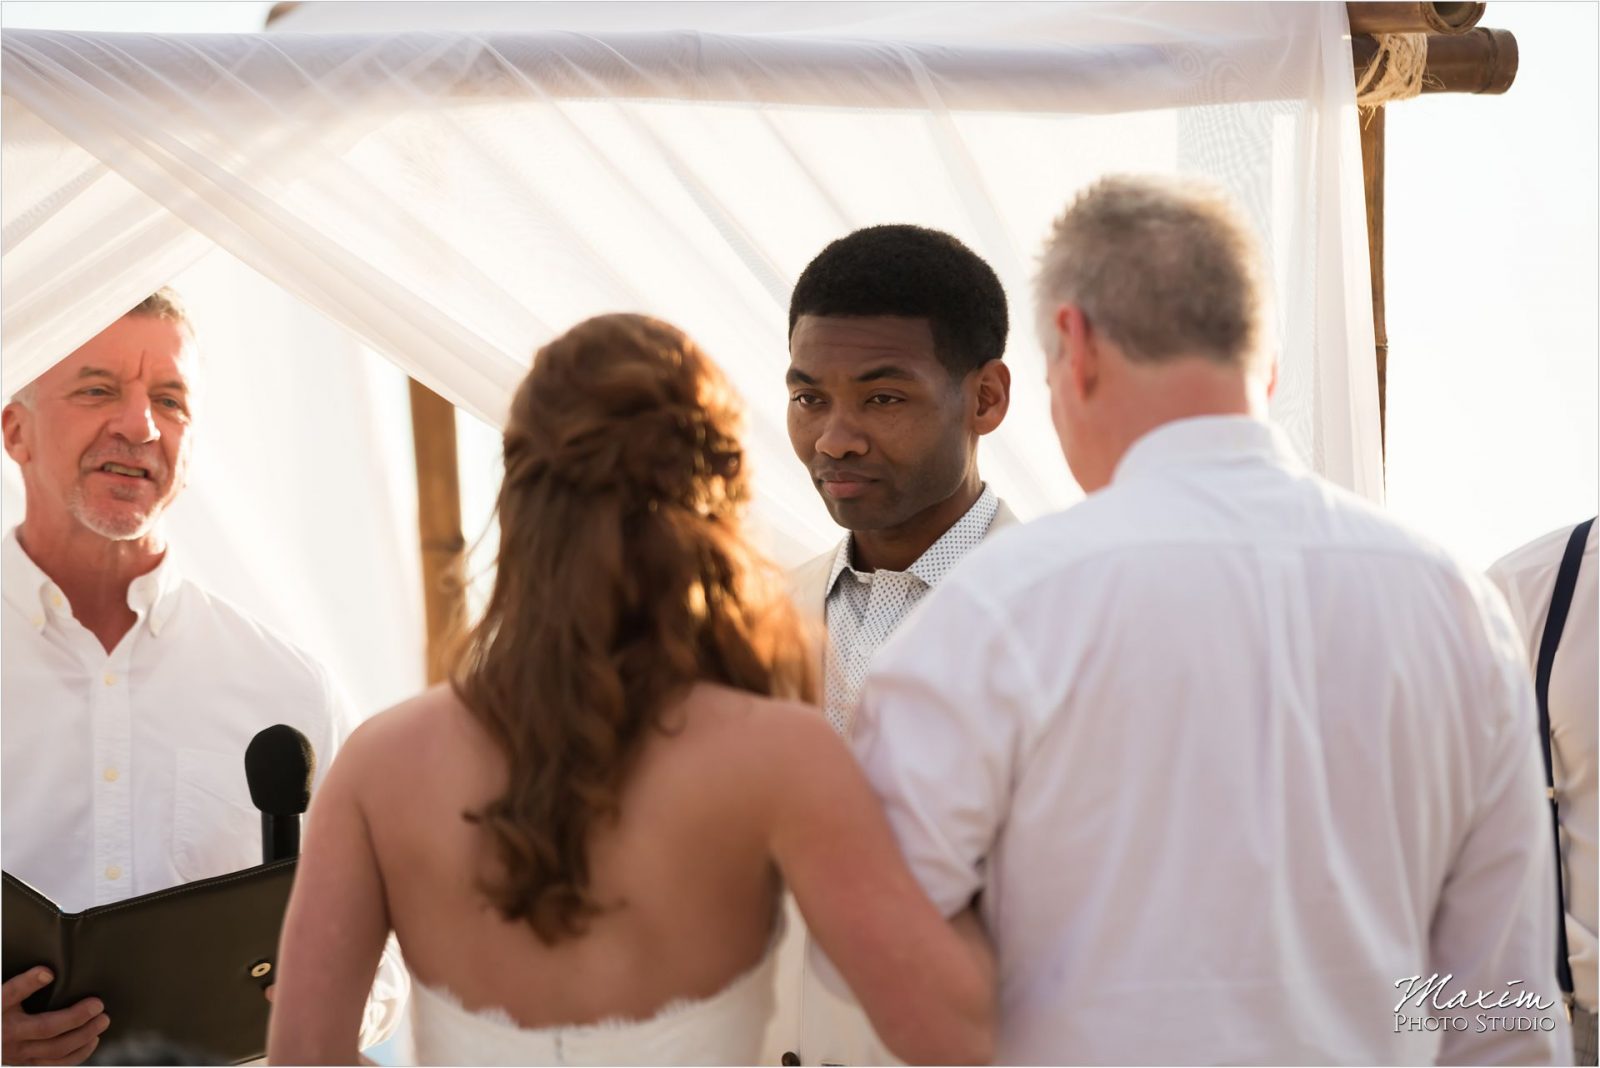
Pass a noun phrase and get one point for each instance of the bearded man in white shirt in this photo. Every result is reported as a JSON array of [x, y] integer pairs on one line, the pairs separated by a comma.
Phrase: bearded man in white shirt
[[1243, 771], [896, 338], [129, 693]]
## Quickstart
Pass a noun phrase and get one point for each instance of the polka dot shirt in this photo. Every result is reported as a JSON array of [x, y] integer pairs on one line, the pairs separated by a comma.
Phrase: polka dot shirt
[[864, 607]]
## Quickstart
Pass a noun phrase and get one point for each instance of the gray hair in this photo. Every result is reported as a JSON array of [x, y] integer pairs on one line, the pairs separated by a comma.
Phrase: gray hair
[[1161, 267], [164, 303]]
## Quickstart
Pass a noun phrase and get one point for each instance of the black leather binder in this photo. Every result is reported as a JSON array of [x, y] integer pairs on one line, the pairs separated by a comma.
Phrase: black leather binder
[[188, 964]]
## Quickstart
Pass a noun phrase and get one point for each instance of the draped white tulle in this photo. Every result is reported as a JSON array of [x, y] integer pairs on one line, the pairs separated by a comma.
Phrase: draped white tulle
[[455, 197]]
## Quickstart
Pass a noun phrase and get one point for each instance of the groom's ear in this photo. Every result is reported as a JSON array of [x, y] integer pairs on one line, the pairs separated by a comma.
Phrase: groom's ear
[[990, 386]]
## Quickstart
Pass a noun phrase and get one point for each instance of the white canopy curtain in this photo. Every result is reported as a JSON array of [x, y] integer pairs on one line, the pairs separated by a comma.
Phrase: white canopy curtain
[[455, 197]]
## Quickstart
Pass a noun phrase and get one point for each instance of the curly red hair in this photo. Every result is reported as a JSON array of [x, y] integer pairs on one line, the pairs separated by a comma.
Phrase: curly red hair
[[623, 578]]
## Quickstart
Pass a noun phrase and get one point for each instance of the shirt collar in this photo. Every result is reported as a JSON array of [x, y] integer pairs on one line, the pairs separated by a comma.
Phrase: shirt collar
[[1206, 440], [943, 554], [26, 587], [152, 596]]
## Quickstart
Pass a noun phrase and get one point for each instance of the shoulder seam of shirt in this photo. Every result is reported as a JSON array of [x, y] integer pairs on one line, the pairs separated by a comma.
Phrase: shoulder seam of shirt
[[1008, 635]]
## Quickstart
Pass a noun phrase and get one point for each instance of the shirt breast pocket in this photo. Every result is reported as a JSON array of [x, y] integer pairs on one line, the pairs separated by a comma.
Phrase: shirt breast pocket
[[215, 829]]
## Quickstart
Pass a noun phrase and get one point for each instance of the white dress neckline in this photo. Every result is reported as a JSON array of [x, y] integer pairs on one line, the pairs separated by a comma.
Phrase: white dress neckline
[[722, 1028]]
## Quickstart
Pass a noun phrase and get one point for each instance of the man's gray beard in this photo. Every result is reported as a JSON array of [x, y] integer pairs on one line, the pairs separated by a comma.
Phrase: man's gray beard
[[120, 528]]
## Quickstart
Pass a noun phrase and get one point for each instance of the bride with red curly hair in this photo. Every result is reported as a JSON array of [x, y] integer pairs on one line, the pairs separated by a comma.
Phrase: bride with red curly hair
[[581, 842]]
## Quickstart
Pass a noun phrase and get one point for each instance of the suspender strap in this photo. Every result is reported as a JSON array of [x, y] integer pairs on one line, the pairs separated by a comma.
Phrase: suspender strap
[[1555, 622]]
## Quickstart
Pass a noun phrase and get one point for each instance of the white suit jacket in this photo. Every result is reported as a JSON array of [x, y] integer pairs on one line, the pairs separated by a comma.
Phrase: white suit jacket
[[814, 1018]]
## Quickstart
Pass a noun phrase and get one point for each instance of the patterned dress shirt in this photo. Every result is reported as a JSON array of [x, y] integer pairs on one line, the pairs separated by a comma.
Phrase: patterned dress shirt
[[864, 607]]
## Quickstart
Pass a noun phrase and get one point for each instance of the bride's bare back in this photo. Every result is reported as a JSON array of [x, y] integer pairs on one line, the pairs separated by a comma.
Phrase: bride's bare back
[[687, 868], [744, 792]]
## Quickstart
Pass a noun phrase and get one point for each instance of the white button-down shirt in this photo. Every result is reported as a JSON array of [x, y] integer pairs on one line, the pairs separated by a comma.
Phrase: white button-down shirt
[[124, 771], [1528, 578], [1228, 754], [865, 607]]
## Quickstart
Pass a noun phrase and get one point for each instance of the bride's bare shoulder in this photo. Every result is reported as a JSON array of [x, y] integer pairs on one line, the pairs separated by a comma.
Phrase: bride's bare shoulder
[[769, 724], [410, 733], [780, 758]]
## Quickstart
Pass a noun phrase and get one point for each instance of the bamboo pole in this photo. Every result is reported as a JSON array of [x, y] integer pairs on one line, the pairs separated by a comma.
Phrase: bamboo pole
[[280, 9], [1391, 17], [1372, 184], [1480, 61], [444, 591], [1466, 60], [1483, 61]]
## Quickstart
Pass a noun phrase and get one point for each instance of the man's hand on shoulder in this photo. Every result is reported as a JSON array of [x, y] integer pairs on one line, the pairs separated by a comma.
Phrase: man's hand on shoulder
[[65, 1036]]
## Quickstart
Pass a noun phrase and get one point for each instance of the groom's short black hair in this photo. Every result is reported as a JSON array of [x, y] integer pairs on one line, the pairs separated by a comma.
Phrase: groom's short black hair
[[917, 273]]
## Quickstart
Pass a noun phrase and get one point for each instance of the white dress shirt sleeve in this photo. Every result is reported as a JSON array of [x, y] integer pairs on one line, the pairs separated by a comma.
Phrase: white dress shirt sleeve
[[943, 725], [1495, 921]]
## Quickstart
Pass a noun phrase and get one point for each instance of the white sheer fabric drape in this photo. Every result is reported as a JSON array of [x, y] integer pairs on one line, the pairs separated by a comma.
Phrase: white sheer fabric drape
[[456, 198]]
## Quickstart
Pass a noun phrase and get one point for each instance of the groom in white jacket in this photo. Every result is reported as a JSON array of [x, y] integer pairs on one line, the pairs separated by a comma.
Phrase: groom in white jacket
[[896, 335]]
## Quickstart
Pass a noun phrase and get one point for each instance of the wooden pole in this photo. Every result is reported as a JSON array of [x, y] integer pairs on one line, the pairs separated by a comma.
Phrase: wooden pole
[[444, 548], [1371, 120], [444, 589], [280, 9], [1483, 61], [1391, 16], [1480, 61]]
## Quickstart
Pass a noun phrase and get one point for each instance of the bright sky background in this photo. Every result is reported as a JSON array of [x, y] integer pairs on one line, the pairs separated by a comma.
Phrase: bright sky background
[[1491, 276]]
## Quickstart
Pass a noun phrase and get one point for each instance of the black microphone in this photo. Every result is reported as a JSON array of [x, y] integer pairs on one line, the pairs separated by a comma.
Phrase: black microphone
[[278, 764]]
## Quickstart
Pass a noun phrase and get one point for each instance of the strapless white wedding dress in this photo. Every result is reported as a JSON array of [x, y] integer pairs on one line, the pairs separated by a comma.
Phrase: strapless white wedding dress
[[725, 1028]]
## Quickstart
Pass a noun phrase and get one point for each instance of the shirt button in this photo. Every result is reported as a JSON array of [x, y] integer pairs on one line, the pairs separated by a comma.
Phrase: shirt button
[[110, 775], [113, 873], [56, 600], [111, 679]]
